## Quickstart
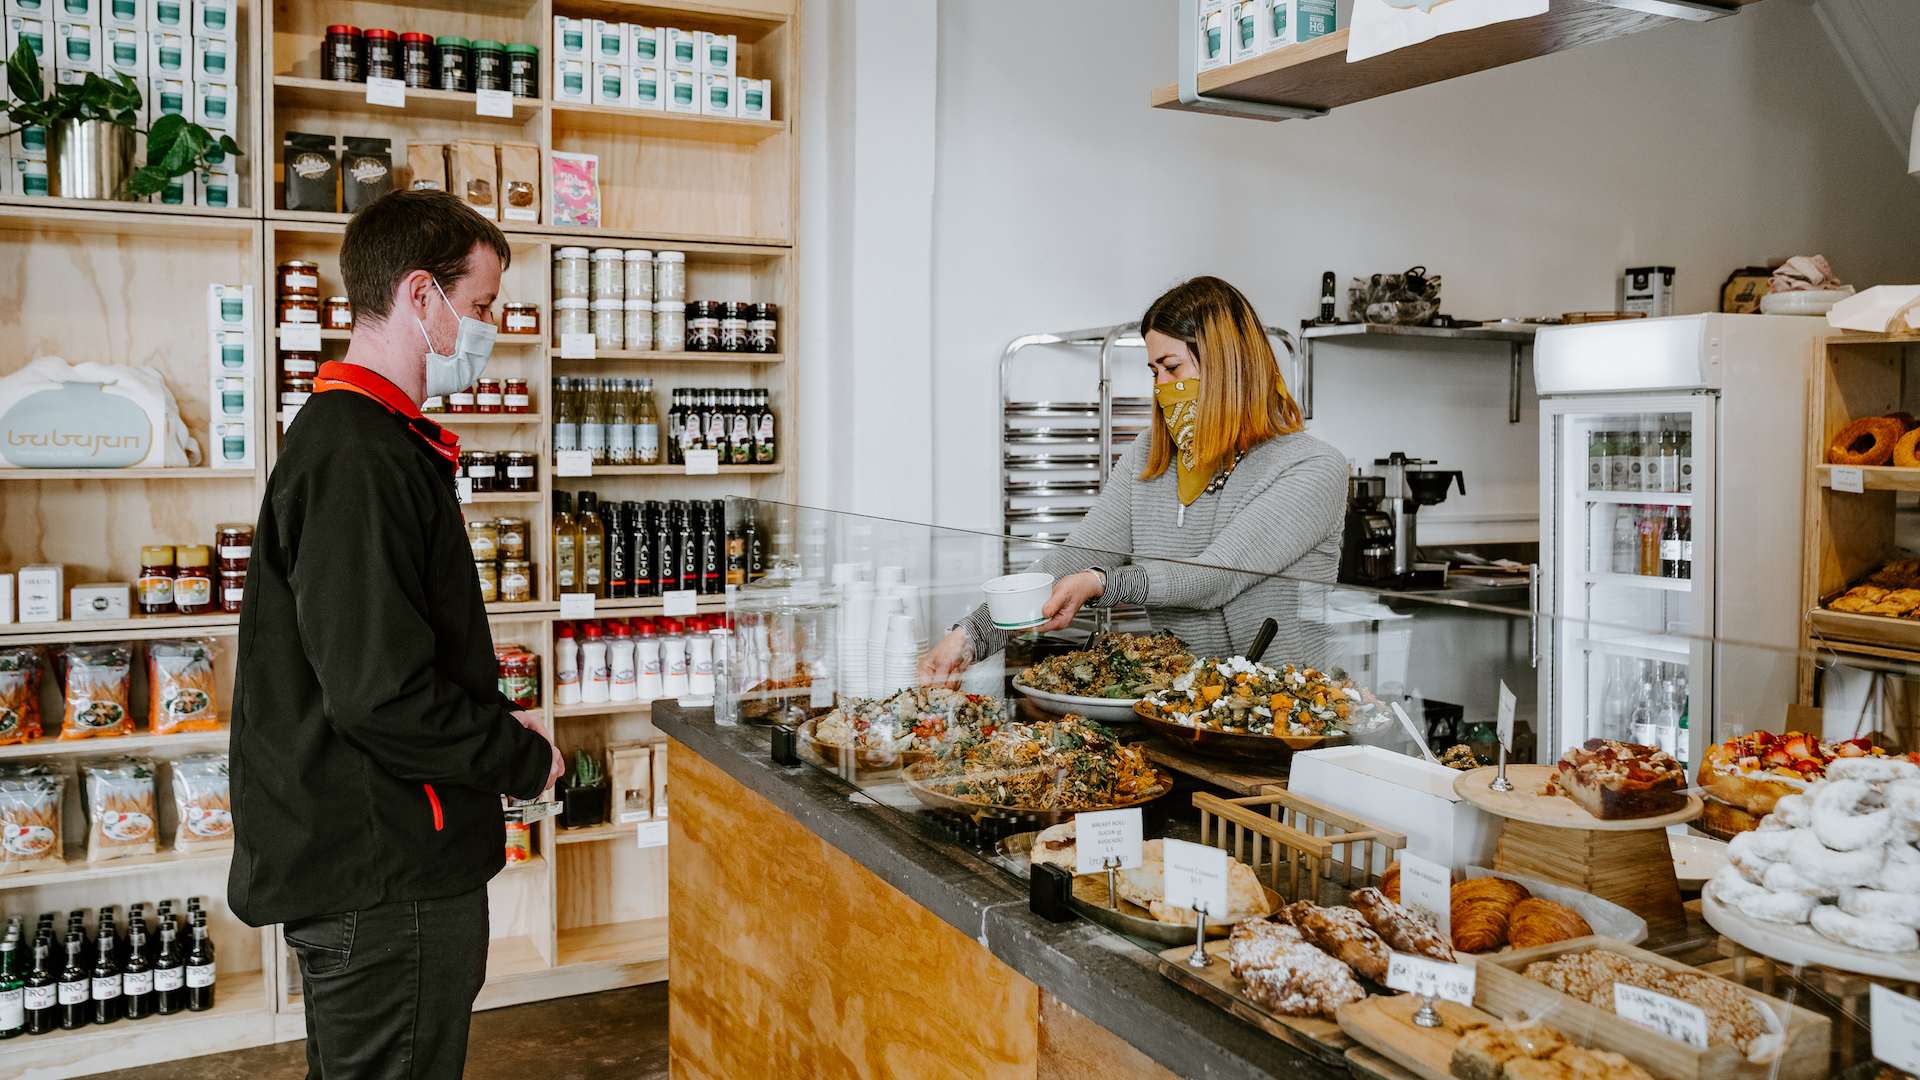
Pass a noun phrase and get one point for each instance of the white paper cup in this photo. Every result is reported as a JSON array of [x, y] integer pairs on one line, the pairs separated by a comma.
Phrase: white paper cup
[[1015, 601]]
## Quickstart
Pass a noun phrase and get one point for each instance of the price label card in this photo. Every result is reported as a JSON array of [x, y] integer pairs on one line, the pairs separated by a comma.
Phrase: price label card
[[576, 605], [820, 694], [464, 487], [703, 463], [1426, 887], [1102, 836], [576, 346], [1505, 722], [494, 103], [573, 463], [300, 337], [680, 602], [1849, 478], [1895, 1023], [1671, 1017], [389, 92], [1430, 978], [651, 833], [1196, 877]]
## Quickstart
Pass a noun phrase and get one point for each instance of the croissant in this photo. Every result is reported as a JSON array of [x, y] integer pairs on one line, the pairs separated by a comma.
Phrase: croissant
[[1543, 922], [1480, 909], [1390, 882]]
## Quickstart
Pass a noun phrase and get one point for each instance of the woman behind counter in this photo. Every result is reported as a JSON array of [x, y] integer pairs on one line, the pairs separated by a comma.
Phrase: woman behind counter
[[1247, 490]]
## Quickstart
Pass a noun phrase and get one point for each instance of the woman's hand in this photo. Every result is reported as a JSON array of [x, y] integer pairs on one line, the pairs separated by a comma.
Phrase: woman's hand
[[1070, 593], [944, 663]]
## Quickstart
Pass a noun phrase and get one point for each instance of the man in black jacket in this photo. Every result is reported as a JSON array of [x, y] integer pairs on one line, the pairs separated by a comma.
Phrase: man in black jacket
[[371, 743]]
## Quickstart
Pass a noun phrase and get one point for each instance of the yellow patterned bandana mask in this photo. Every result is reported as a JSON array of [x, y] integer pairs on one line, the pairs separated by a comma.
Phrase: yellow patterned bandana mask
[[1179, 403]]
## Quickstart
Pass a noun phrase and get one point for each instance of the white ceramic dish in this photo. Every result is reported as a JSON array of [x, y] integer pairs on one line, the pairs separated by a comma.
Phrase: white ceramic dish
[[1106, 710], [1015, 601]]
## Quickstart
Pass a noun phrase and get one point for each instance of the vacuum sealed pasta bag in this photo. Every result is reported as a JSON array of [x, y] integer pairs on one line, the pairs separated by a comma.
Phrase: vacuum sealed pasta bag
[[202, 803], [121, 814], [31, 795], [96, 679], [19, 694], [180, 687]]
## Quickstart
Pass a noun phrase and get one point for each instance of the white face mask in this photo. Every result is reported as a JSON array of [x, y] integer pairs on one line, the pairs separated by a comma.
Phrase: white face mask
[[471, 348]]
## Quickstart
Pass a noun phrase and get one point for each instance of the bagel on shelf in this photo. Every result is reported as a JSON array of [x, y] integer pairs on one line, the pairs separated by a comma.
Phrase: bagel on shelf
[[1867, 441], [1903, 450]]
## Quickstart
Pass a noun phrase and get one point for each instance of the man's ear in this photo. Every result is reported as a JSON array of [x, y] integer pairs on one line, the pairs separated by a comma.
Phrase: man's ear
[[413, 293]]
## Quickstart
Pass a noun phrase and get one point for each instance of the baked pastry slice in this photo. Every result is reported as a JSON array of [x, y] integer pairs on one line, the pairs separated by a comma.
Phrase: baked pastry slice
[[1614, 780], [1400, 928], [1278, 969], [1542, 922], [1343, 933]]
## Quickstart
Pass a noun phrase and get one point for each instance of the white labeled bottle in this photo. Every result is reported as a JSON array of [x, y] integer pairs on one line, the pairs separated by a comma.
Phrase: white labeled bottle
[[595, 677], [624, 680], [673, 662], [647, 660], [700, 665], [566, 666]]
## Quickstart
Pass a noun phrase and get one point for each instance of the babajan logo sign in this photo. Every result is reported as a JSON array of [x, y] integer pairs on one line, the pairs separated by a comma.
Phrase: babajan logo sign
[[75, 426], [1413, 5]]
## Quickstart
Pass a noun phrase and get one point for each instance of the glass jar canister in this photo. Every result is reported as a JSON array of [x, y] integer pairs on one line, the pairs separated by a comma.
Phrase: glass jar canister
[[296, 391], [733, 326], [484, 538], [512, 534], [669, 326], [233, 590], [487, 397], [489, 573], [571, 317], [483, 469], [489, 65], [297, 277], [416, 60], [516, 581], [518, 466], [609, 274], [639, 274], [523, 70], [519, 669], [670, 276], [454, 63], [461, 401], [609, 324], [763, 328], [339, 314], [156, 579], [192, 579], [382, 50], [299, 363], [639, 324], [299, 311], [572, 274], [233, 543], [514, 397], [520, 318], [703, 326]]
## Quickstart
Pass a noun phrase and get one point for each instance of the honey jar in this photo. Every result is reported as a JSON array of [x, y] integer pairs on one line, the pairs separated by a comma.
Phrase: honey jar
[[339, 314]]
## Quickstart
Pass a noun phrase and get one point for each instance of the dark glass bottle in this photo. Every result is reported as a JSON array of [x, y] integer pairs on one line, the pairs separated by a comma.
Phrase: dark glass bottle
[[639, 548], [200, 969], [136, 976], [169, 973], [756, 549], [75, 990], [687, 568], [713, 550], [13, 1005], [618, 554], [106, 978], [42, 995]]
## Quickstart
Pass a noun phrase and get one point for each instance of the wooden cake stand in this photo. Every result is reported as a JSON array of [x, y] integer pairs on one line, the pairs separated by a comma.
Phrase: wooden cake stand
[[1626, 861]]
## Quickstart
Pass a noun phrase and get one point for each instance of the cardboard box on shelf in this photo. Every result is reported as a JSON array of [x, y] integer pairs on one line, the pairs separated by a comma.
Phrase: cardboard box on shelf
[[1290, 22], [42, 592], [645, 87], [6, 159], [216, 106], [29, 177], [169, 54], [753, 98], [1212, 39], [215, 60], [683, 91], [680, 49], [1648, 289], [101, 600], [215, 19], [716, 95], [175, 15], [229, 399], [231, 351], [230, 307], [30, 143], [1246, 30], [717, 53], [572, 38], [131, 14], [572, 81], [180, 191], [85, 11], [219, 188], [610, 84], [6, 598], [609, 43], [34, 9], [644, 44], [232, 445], [1404, 794], [126, 51], [77, 47], [35, 32]]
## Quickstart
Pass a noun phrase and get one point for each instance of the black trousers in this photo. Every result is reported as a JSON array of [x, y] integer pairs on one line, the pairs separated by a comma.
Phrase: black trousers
[[390, 989]]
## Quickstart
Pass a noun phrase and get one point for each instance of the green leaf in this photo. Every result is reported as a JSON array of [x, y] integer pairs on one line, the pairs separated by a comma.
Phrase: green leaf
[[24, 84]]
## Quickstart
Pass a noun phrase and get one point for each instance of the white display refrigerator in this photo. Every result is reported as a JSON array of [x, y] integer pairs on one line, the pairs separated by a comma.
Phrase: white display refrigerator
[[1673, 456]]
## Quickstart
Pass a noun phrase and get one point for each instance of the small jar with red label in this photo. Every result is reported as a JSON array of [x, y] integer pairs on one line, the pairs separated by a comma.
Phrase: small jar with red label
[[233, 545], [514, 397], [193, 579], [337, 314], [299, 311], [233, 589], [462, 401], [156, 579], [299, 364], [487, 396], [520, 318]]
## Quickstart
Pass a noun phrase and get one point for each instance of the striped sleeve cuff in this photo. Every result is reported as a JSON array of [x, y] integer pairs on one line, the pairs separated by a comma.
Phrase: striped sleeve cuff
[[1126, 585]]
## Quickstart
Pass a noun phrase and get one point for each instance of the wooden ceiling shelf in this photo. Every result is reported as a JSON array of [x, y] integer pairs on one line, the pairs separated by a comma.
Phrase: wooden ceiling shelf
[[1315, 74]]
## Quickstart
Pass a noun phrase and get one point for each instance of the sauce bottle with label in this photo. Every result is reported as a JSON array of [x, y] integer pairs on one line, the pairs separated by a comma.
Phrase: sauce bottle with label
[[156, 580], [591, 538], [193, 579], [566, 545]]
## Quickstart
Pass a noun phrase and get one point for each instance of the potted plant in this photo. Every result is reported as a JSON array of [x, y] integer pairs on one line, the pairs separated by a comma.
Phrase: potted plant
[[588, 793], [90, 128]]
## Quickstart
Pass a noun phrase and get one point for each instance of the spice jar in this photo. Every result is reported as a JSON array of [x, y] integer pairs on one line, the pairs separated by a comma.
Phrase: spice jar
[[299, 310], [233, 589], [416, 60], [483, 469], [461, 401], [669, 326], [571, 317], [519, 845], [297, 277], [520, 318], [609, 325], [523, 70], [670, 276], [609, 274], [339, 314], [516, 581], [382, 50], [763, 328], [299, 363], [489, 61], [484, 538], [639, 274], [193, 579], [514, 396], [453, 63], [518, 466], [703, 326], [733, 326], [296, 391], [155, 589], [342, 54], [519, 669], [639, 324], [486, 396], [233, 543], [513, 537], [572, 274], [489, 574]]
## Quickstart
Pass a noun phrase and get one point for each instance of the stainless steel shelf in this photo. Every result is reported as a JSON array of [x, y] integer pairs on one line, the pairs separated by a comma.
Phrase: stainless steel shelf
[[1517, 337]]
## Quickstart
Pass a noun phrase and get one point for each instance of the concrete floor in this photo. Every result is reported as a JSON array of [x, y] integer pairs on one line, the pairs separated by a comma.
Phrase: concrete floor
[[619, 1033]]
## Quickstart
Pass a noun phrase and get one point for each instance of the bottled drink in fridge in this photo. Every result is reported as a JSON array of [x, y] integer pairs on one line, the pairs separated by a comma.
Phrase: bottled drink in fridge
[[1596, 460], [1686, 461], [1669, 460], [646, 427], [1626, 540], [1650, 458], [1629, 458], [1640, 723], [1670, 544], [1650, 522], [1667, 713], [1686, 543], [1616, 700]]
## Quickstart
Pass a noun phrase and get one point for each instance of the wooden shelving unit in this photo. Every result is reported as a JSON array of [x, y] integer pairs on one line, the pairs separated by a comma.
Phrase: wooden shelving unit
[[1315, 74], [579, 916]]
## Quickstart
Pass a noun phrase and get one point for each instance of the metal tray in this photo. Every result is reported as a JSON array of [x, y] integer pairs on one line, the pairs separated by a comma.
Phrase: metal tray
[[1090, 900], [933, 799]]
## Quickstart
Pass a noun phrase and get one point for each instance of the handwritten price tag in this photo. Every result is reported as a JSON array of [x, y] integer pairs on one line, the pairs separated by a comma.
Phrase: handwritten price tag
[[1430, 978], [576, 605], [1102, 836], [703, 463], [300, 337], [389, 92], [1671, 1017], [1196, 877], [1505, 723], [495, 103], [1848, 478], [576, 346], [1896, 1029], [820, 694], [573, 463], [1426, 887], [464, 488], [680, 603], [651, 834]]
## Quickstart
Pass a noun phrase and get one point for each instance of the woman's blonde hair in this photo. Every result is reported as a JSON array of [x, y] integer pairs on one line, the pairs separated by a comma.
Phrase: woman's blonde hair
[[1243, 398]]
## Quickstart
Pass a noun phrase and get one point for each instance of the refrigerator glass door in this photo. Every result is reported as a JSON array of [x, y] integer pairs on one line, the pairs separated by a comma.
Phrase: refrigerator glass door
[[1623, 483]]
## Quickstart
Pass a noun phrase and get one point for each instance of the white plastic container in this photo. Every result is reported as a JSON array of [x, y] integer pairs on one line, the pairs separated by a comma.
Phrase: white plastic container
[[680, 49], [643, 44], [1015, 601], [609, 43], [1405, 794], [77, 46], [126, 51], [753, 98], [572, 81], [717, 54], [610, 83], [647, 662], [609, 324], [566, 670], [572, 39], [624, 681], [716, 95], [215, 60], [637, 315], [673, 666], [700, 665], [596, 680], [639, 275], [609, 274], [669, 326], [682, 92], [647, 87], [670, 277]]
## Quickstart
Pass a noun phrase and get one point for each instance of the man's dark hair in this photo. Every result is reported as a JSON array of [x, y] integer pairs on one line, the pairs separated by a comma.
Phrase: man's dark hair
[[404, 231]]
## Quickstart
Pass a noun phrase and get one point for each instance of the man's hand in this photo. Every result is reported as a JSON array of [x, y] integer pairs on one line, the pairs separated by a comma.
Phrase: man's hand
[[530, 719]]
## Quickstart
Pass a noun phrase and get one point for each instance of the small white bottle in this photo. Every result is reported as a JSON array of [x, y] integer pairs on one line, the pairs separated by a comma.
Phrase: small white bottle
[[647, 650], [595, 676], [700, 665], [673, 662], [566, 666], [625, 683]]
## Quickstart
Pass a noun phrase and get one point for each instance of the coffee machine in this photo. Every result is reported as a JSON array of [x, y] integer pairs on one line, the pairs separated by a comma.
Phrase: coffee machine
[[1381, 542]]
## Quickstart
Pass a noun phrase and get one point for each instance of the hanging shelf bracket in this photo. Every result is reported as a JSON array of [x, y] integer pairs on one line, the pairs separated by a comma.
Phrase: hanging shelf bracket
[[1192, 98]]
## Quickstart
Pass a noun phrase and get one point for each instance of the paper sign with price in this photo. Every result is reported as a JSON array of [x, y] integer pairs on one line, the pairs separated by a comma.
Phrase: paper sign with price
[[300, 337], [576, 605], [1671, 1017], [651, 833], [1505, 717], [493, 103], [1430, 978], [389, 92], [577, 346], [1426, 887], [679, 603], [1895, 1023], [1848, 478], [463, 487], [573, 463], [1103, 836], [1196, 877]]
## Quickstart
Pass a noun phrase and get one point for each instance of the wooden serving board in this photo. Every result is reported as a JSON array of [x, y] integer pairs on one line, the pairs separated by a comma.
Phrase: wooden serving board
[[1882, 630], [1525, 803], [1316, 1035], [1385, 1026], [1239, 777]]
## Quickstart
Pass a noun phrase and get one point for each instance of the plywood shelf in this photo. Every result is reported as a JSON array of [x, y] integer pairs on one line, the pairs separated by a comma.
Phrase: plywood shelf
[[746, 20], [637, 941], [139, 627], [1875, 478], [618, 120], [319, 222], [649, 356], [676, 470], [77, 867], [1639, 581], [601, 708], [240, 1000], [52, 745], [488, 420], [293, 91], [107, 216], [592, 834], [185, 472], [1315, 74], [482, 497]]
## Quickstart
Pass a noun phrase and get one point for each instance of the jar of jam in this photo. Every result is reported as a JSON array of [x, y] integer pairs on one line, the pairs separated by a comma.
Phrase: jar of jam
[[193, 579], [703, 326], [519, 669], [299, 311], [296, 391], [489, 573], [233, 590], [483, 469], [523, 70], [297, 277], [338, 314], [454, 65], [341, 54], [733, 326], [416, 61], [462, 401], [763, 328], [484, 538], [382, 51], [489, 63], [156, 579], [233, 544], [518, 467], [299, 363], [486, 396], [520, 318], [513, 537], [514, 397], [516, 581]]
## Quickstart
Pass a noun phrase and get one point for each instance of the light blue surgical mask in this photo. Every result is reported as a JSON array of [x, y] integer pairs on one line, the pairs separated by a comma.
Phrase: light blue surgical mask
[[472, 346]]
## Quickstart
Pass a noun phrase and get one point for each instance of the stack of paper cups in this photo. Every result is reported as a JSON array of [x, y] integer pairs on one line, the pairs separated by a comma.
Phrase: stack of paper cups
[[902, 656], [913, 604], [876, 642], [889, 576], [845, 574], [856, 616]]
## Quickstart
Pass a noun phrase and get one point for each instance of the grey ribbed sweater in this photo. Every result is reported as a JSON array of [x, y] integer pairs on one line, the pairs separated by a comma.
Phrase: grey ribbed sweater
[[1276, 521]]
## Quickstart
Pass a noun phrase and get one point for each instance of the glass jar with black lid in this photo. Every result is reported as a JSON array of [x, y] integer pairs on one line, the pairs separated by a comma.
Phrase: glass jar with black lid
[[733, 326], [488, 60], [703, 326], [454, 63], [482, 468], [382, 50], [763, 328]]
